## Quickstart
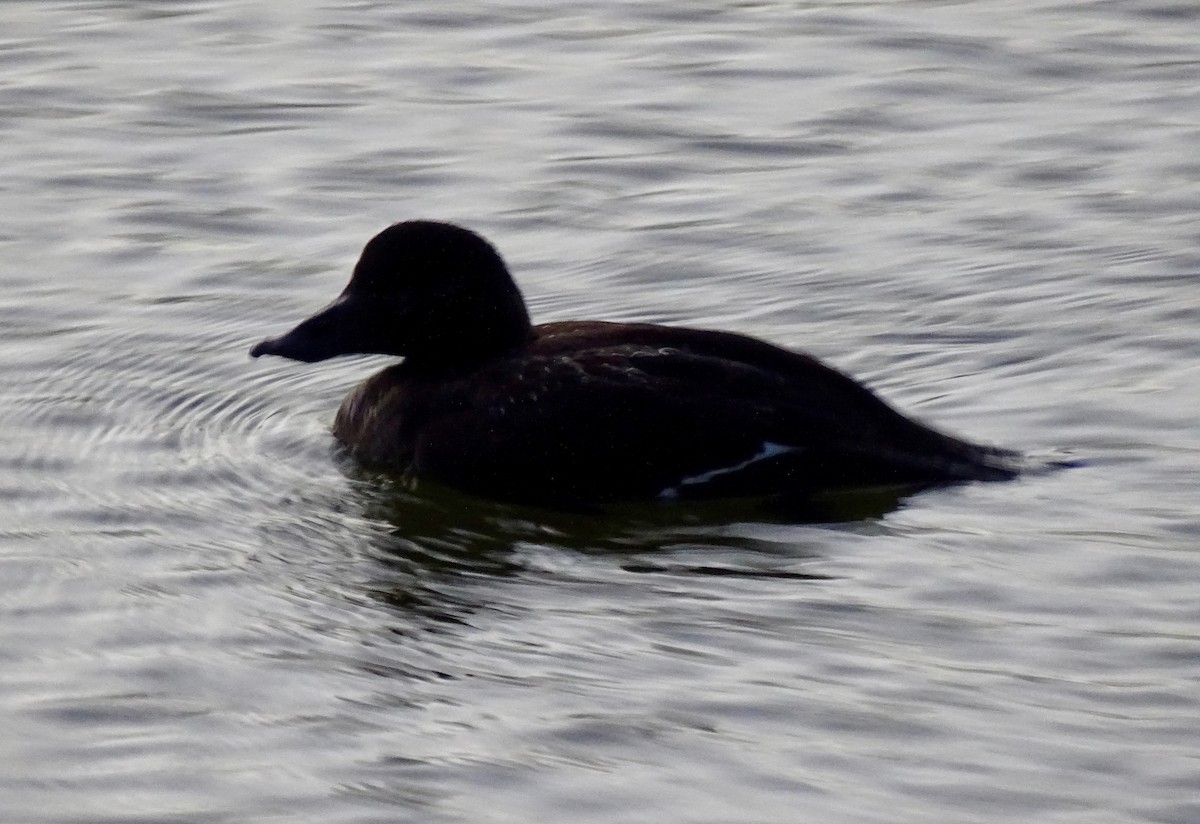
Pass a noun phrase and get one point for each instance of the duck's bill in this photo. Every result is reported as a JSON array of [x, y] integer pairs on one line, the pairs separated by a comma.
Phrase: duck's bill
[[289, 346], [327, 334]]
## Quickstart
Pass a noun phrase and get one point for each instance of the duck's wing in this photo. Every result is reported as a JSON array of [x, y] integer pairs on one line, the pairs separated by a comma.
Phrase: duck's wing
[[698, 418]]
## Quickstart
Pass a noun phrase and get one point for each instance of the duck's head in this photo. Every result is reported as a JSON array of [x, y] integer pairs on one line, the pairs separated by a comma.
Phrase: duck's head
[[432, 292]]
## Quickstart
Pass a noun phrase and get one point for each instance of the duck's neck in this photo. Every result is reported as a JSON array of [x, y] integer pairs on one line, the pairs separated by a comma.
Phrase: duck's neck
[[472, 350]]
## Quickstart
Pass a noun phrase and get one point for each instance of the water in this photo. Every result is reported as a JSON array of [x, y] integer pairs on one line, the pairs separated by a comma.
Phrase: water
[[988, 211]]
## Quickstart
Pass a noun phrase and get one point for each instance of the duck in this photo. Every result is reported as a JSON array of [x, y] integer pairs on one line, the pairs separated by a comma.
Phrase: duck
[[589, 411]]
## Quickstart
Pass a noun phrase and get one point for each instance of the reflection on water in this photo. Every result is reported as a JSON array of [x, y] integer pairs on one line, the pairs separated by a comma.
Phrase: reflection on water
[[987, 213], [438, 535]]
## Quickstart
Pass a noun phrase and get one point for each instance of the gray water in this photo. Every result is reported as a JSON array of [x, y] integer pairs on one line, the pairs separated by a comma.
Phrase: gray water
[[988, 211]]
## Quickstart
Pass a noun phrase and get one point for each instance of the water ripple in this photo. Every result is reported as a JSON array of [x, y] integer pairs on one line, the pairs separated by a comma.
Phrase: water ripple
[[210, 614]]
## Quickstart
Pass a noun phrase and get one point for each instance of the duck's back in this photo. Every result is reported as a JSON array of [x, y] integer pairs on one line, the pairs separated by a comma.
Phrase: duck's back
[[593, 411]]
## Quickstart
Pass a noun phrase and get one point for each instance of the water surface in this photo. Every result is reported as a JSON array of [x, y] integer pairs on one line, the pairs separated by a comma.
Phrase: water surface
[[987, 211]]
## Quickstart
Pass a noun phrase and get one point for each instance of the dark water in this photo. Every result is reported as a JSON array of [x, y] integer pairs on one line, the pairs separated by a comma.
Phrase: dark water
[[988, 211]]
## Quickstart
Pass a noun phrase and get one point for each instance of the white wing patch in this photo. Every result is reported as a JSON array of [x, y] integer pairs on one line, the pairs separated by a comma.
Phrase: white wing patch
[[768, 450]]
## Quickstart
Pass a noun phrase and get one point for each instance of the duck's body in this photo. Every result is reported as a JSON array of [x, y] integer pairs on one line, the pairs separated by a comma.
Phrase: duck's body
[[582, 412]]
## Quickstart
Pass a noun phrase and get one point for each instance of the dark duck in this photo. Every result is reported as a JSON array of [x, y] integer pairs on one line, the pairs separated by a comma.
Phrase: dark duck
[[586, 412]]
